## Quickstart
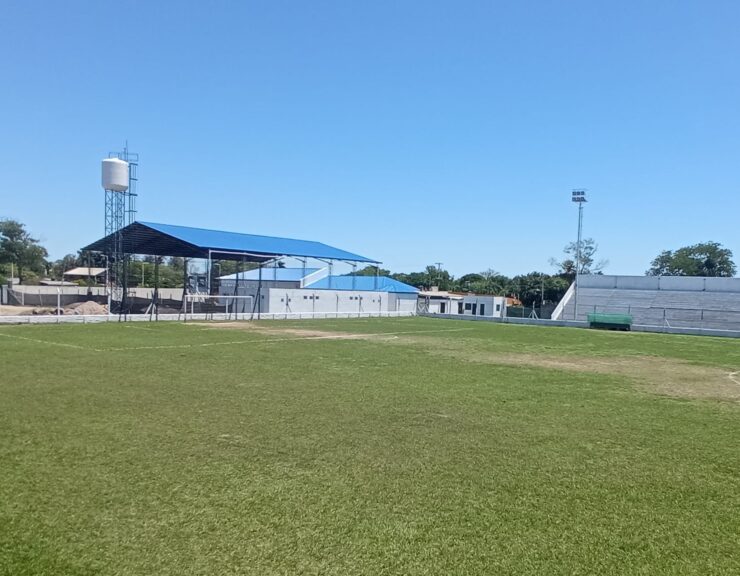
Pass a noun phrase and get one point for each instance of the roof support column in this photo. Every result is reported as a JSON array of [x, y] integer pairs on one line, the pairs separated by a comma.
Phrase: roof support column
[[259, 294], [209, 272]]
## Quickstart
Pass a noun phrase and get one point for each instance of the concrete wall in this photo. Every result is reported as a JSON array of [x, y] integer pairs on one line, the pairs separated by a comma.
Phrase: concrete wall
[[53, 319], [493, 306], [684, 283], [305, 300], [679, 283], [435, 305], [250, 288], [619, 282], [167, 293], [722, 284], [402, 302], [596, 281], [579, 324]]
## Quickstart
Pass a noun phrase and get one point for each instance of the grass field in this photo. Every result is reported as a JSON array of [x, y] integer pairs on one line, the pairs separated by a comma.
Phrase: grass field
[[388, 446]]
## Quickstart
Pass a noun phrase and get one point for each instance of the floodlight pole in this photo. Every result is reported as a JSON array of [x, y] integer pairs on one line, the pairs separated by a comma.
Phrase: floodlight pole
[[579, 197]]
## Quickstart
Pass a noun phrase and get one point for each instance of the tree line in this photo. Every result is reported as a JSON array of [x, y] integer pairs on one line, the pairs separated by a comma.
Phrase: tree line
[[25, 258]]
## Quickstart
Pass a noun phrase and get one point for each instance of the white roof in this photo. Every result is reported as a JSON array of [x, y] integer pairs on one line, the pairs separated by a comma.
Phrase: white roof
[[440, 294], [84, 271]]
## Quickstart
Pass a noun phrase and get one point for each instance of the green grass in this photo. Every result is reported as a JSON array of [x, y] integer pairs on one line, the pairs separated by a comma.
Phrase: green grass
[[238, 452]]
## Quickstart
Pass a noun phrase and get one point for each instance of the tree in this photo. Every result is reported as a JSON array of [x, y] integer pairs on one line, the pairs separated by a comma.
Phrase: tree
[[438, 277], [371, 271], [59, 267], [17, 247], [417, 279], [466, 281], [703, 259], [226, 267], [588, 264], [486, 282], [535, 287]]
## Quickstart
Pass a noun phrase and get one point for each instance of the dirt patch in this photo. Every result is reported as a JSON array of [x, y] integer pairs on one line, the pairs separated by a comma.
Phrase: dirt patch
[[290, 332], [8, 310], [668, 377], [224, 325], [665, 376], [78, 308], [263, 329]]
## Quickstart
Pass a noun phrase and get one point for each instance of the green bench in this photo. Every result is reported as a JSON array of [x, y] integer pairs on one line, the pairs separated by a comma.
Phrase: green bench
[[610, 321]]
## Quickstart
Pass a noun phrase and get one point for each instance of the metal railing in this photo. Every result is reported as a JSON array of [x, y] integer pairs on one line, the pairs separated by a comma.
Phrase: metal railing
[[669, 317]]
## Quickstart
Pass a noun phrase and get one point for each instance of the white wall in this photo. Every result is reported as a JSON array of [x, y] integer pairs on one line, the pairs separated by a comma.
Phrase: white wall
[[493, 306], [722, 284], [690, 283], [167, 293], [402, 302], [681, 283], [305, 300], [250, 287], [437, 304]]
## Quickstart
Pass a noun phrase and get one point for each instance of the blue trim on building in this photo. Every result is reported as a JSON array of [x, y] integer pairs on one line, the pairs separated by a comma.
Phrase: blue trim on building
[[362, 283], [274, 274]]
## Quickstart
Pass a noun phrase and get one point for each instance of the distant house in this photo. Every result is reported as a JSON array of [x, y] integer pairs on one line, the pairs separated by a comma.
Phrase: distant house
[[463, 304]]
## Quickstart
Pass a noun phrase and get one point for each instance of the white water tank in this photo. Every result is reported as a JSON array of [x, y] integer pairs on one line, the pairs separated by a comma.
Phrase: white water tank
[[115, 175]]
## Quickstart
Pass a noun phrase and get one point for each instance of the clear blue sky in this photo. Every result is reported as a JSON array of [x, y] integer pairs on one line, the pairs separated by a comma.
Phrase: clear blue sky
[[411, 132]]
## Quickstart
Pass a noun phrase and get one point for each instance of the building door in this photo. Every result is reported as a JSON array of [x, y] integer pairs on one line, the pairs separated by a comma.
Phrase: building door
[[474, 308], [482, 309], [459, 307], [442, 307]]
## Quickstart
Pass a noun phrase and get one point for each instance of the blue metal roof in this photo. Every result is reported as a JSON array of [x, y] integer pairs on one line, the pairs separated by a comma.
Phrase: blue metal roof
[[168, 240], [384, 284], [271, 273]]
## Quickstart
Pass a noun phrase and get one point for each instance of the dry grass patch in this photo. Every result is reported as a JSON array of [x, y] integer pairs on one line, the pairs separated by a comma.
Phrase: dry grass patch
[[665, 376], [289, 331]]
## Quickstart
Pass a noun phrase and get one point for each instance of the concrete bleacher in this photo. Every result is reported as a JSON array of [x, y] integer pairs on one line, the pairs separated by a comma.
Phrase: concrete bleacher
[[677, 302]]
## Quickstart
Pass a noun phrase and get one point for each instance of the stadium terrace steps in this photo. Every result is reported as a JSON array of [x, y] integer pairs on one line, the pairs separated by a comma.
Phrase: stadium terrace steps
[[674, 308]]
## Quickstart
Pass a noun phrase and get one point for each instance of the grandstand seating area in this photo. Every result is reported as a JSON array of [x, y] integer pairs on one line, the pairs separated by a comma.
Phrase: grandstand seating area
[[707, 305]]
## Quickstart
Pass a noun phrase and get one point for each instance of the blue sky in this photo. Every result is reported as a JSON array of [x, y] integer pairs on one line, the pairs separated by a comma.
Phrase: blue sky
[[410, 132]]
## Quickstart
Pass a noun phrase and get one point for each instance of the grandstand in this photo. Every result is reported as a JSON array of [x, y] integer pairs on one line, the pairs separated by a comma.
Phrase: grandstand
[[663, 301]]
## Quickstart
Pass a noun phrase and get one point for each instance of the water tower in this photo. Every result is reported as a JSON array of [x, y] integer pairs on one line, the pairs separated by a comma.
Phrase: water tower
[[119, 182]]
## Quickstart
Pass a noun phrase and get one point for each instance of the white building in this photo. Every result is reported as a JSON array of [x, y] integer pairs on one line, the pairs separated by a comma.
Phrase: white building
[[442, 302], [314, 291]]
